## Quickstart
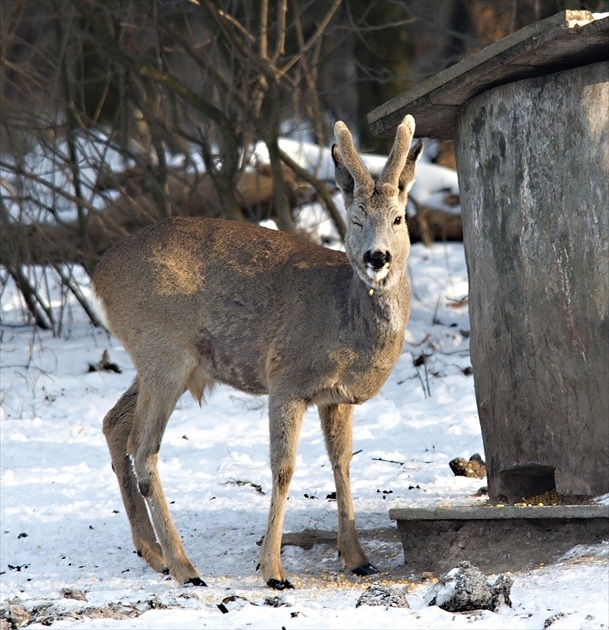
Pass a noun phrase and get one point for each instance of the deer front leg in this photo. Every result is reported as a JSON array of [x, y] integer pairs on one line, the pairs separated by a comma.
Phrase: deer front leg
[[154, 406], [337, 425], [285, 420], [117, 427]]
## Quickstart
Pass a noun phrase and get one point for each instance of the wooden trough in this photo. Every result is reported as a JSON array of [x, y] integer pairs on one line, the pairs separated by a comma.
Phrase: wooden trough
[[496, 539]]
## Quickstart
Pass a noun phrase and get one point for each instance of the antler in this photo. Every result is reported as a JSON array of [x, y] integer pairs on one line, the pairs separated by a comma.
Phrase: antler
[[364, 184], [388, 181]]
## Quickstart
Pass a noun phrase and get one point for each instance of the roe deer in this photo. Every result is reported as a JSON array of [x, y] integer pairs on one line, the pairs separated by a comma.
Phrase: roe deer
[[199, 301]]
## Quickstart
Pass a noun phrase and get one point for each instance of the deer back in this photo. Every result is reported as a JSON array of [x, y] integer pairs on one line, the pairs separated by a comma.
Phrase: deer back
[[256, 308]]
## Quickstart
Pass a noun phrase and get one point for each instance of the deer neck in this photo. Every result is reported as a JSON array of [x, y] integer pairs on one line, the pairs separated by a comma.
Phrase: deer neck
[[381, 310]]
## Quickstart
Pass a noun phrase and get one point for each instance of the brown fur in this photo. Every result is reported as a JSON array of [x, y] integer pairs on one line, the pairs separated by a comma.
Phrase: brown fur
[[200, 301]]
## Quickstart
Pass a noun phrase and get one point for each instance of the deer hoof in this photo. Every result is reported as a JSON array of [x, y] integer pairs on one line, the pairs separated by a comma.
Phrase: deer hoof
[[365, 569], [279, 585], [195, 581]]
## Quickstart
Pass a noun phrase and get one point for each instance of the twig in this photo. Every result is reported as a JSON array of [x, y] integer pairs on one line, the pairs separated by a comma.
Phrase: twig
[[239, 482], [77, 293], [427, 379], [422, 360], [389, 461], [321, 189], [434, 319]]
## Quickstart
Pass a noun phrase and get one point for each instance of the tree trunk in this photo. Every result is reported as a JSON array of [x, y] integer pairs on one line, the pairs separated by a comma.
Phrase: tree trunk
[[533, 162]]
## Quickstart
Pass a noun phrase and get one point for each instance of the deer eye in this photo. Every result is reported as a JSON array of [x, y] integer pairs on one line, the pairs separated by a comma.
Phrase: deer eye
[[398, 220]]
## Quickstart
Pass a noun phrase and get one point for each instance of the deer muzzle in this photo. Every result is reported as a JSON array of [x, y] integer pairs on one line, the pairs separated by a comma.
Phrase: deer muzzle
[[377, 263]]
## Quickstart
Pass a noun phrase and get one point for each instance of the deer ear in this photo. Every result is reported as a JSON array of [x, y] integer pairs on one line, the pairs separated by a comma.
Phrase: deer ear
[[344, 179], [407, 175]]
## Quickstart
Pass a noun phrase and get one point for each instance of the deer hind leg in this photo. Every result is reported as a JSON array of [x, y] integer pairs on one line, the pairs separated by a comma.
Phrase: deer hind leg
[[117, 427], [285, 420], [154, 406], [337, 425]]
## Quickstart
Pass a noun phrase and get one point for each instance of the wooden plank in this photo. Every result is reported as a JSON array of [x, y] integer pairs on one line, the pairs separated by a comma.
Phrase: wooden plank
[[493, 512], [563, 41]]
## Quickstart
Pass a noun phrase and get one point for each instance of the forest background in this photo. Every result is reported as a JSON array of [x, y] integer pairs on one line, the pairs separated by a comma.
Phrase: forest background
[[116, 113]]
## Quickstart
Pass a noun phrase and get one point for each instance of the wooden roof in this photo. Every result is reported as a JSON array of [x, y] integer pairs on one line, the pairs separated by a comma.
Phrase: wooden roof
[[566, 40]]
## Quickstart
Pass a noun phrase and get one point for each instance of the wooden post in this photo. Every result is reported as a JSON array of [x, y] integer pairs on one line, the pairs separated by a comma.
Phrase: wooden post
[[533, 159]]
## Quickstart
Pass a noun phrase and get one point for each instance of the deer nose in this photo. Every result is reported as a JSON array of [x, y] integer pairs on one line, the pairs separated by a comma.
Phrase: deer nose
[[377, 259]]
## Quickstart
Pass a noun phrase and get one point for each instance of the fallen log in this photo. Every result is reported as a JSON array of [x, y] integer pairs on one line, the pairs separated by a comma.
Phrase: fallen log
[[137, 206], [184, 195], [434, 225]]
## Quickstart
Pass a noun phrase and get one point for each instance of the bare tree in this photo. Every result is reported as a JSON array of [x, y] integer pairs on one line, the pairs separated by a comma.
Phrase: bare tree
[[116, 114], [140, 85]]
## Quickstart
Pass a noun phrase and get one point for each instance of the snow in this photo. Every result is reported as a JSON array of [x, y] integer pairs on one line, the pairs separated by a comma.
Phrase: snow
[[63, 523]]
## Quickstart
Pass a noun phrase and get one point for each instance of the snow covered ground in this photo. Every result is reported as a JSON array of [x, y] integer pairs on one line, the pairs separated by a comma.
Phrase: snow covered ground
[[64, 527]]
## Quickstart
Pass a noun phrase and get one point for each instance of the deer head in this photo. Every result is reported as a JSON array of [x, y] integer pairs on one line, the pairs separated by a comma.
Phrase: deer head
[[376, 241]]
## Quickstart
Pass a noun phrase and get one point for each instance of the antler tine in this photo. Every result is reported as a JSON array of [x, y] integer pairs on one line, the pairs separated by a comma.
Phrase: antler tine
[[364, 184], [389, 179]]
